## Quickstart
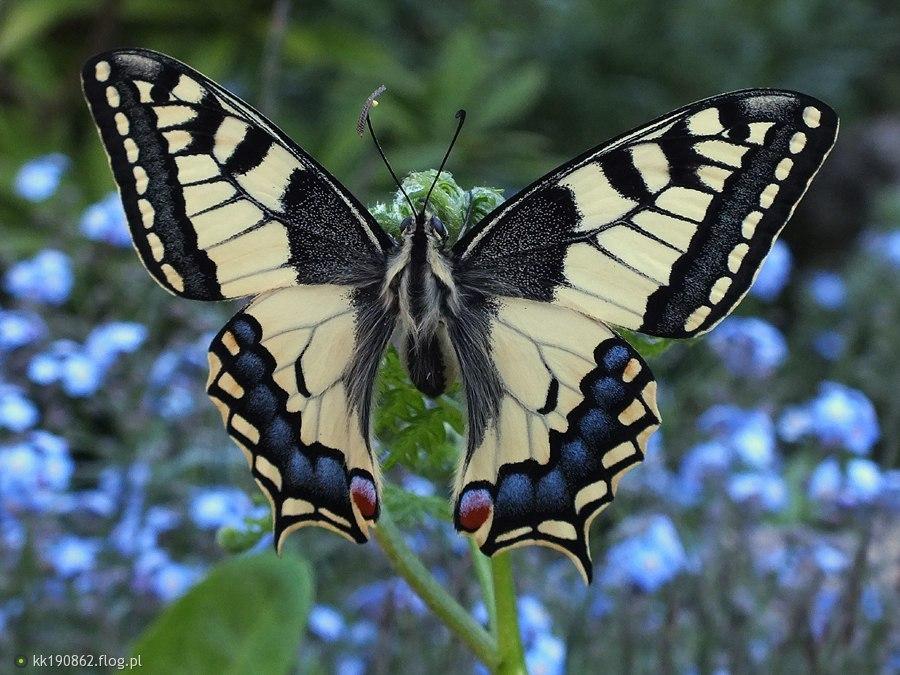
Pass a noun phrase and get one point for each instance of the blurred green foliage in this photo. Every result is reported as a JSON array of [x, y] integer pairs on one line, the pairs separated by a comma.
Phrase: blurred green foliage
[[540, 80]]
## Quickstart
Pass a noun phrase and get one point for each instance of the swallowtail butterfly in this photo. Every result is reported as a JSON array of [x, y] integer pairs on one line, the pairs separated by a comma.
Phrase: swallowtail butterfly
[[661, 230]]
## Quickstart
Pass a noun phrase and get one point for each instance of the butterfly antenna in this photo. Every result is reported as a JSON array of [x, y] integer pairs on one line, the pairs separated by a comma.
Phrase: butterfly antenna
[[364, 120], [461, 116]]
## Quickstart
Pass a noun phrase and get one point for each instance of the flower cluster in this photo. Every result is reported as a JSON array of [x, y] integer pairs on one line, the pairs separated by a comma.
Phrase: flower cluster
[[81, 368], [838, 417], [774, 274], [172, 382], [749, 346], [105, 221], [38, 179], [35, 473], [648, 558], [47, 277], [79, 514]]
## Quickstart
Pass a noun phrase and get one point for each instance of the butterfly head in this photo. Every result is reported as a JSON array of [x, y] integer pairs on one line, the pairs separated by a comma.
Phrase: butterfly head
[[426, 222]]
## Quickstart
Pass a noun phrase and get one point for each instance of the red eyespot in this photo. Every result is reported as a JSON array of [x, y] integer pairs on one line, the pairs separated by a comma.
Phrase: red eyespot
[[475, 508], [362, 490]]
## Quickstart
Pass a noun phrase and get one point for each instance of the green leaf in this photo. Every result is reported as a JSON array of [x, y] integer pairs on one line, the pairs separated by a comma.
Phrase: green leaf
[[514, 94], [244, 537], [420, 434], [247, 616]]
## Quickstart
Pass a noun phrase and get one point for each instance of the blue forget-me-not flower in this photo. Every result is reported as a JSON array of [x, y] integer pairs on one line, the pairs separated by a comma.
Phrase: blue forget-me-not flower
[[105, 221], [828, 290], [47, 277], [18, 328], [774, 273], [38, 178], [748, 346], [649, 559]]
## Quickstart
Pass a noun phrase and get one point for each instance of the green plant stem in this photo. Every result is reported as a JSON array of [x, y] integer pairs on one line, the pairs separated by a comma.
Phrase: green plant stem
[[482, 566], [408, 566], [509, 638]]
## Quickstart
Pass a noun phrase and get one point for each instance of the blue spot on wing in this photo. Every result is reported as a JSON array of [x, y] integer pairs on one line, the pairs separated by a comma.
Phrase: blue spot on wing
[[244, 332], [610, 393], [575, 462], [331, 476], [249, 367], [616, 358], [278, 438], [553, 495], [596, 428], [261, 404], [299, 471], [515, 496]]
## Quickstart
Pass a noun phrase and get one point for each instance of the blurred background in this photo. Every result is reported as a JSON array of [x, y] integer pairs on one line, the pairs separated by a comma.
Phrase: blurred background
[[761, 533]]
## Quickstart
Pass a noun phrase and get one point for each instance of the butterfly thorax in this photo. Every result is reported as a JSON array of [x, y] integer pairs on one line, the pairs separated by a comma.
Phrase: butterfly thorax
[[420, 282]]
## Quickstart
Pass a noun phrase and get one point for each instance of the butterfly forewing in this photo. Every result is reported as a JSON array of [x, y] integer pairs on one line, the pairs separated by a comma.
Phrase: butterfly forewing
[[220, 203], [663, 229]]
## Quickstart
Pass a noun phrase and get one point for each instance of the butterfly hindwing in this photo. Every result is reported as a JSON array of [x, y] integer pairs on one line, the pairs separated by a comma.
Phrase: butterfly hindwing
[[292, 376], [661, 230], [567, 408], [220, 202]]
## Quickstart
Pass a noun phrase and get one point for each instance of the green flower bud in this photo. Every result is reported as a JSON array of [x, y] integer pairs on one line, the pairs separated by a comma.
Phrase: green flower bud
[[483, 200], [448, 201]]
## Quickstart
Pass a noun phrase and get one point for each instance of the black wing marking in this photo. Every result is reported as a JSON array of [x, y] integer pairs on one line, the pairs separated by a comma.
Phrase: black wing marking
[[220, 202], [663, 229]]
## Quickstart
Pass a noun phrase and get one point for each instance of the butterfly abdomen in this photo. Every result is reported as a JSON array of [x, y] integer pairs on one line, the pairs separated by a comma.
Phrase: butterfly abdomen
[[425, 295], [430, 364]]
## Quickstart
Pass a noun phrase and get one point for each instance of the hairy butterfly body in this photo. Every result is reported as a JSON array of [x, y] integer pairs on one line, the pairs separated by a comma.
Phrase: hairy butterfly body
[[661, 230]]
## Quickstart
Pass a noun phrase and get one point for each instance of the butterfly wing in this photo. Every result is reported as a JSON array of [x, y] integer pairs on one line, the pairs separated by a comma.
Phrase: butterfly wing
[[559, 408], [663, 229], [292, 376], [220, 202]]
